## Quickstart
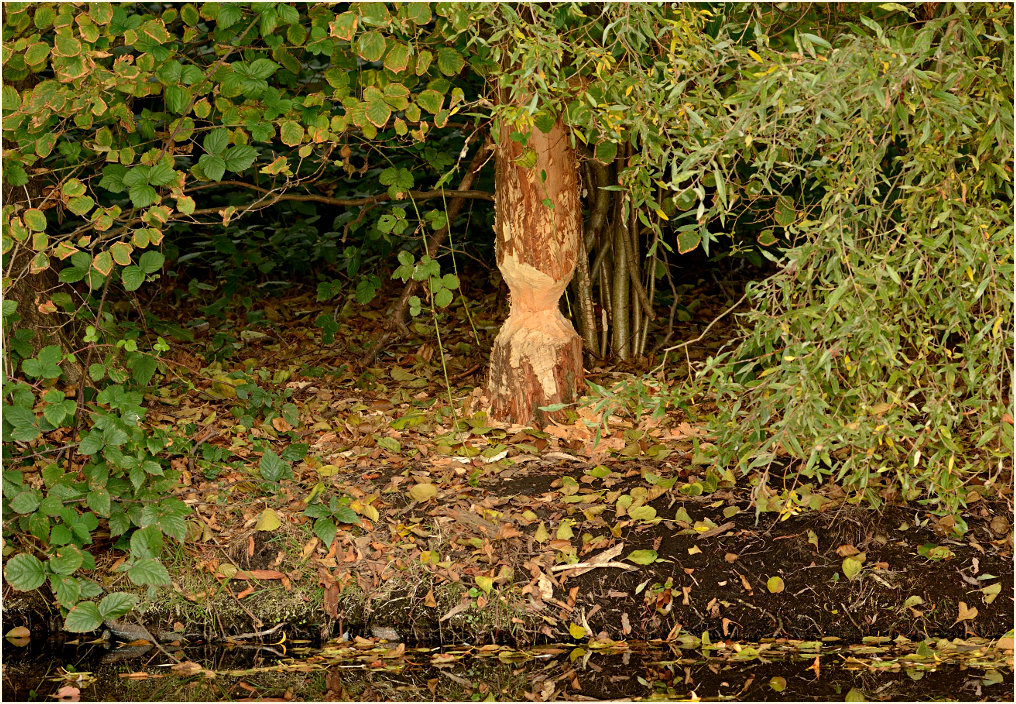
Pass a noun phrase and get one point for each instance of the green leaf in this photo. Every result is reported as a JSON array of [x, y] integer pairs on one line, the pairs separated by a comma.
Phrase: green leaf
[[642, 513], [449, 61], [151, 261], [775, 585], [443, 298], [371, 46], [262, 68], [213, 166], [149, 571], [80, 205], [177, 98], [146, 542], [132, 277], [397, 58], [83, 618], [216, 141], [28, 500], [377, 112], [117, 605], [291, 133], [605, 152], [25, 572], [99, 500], [144, 195], [643, 557], [346, 515], [325, 530], [689, 240], [35, 219], [273, 468], [67, 590], [66, 560], [240, 158], [430, 100]]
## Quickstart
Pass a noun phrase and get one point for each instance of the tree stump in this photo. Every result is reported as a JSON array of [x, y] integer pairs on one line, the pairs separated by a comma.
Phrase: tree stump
[[537, 356]]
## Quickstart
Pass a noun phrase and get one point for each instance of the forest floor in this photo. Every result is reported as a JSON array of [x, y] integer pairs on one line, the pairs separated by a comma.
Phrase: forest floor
[[450, 527]]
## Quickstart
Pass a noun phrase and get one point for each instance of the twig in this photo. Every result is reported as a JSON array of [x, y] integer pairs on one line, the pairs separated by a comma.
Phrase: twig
[[590, 566], [258, 634], [705, 332]]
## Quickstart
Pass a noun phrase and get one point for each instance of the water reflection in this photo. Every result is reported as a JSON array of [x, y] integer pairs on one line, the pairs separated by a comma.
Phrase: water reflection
[[378, 671]]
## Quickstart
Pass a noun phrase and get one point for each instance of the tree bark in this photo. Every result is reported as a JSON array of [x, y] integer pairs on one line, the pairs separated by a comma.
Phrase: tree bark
[[537, 356]]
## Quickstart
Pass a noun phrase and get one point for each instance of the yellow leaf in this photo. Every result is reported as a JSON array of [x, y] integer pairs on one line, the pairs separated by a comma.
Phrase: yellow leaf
[[485, 583], [755, 56], [328, 470], [422, 492], [577, 632], [268, 520], [663, 215], [564, 531], [775, 585], [541, 535]]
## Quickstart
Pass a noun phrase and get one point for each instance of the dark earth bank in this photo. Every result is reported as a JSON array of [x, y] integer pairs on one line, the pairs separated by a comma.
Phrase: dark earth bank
[[541, 554]]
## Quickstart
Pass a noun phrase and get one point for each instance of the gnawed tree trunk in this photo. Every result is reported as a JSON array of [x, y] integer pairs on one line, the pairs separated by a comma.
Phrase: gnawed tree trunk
[[537, 356]]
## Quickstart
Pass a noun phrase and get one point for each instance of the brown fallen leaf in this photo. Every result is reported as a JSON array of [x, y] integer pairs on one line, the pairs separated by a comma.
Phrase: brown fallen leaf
[[464, 604], [186, 668], [966, 613], [258, 574], [846, 550]]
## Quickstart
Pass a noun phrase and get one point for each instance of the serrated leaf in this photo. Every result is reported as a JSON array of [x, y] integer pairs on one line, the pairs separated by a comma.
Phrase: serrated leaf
[[371, 45], [132, 277], [83, 618], [66, 561], [397, 58], [325, 529], [449, 61], [378, 113], [345, 514], [291, 133], [25, 572], [151, 262], [149, 571], [273, 468], [117, 605]]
